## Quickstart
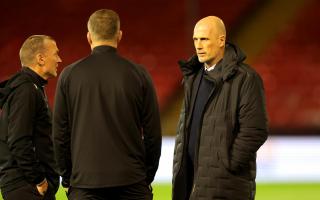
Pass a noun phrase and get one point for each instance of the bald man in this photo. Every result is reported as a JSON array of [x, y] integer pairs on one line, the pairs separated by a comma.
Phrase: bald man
[[223, 120]]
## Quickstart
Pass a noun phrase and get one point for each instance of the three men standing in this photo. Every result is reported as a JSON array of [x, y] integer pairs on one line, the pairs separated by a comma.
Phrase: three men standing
[[106, 125]]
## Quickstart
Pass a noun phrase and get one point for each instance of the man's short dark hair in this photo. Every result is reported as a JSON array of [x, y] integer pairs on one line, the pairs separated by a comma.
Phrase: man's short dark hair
[[31, 47], [104, 24]]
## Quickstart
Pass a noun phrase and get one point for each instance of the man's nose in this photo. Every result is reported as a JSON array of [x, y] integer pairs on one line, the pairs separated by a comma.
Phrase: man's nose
[[198, 45]]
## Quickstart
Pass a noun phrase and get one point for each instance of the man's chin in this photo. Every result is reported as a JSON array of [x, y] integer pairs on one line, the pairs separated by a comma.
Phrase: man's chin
[[201, 60], [53, 75]]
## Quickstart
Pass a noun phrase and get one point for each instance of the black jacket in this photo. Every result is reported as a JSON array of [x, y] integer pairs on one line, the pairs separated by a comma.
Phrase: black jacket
[[26, 148], [106, 122], [234, 126]]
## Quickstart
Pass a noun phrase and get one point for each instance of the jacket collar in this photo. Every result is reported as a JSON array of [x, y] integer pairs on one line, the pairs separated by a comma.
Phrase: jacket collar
[[103, 49], [224, 69], [25, 75], [38, 80]]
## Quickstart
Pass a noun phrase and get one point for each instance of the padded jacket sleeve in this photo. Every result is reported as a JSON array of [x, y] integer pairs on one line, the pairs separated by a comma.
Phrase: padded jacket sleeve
[[252, 119]]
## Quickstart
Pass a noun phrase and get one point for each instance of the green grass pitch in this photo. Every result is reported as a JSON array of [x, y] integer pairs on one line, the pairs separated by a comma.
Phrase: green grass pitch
[[270, 191]]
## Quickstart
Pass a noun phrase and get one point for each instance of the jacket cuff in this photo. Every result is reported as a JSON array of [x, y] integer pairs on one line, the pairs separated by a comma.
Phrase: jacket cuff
[[149, 180], [42, 182], [65, 183], [39, 180]]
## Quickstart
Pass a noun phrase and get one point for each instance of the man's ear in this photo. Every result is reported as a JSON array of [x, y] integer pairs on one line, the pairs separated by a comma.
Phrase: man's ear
[[40, 59], [119, 36], [222, 40], [89, 38]]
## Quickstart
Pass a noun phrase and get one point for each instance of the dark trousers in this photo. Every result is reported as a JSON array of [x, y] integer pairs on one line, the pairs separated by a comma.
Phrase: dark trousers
[[30, 192], [137, 191]]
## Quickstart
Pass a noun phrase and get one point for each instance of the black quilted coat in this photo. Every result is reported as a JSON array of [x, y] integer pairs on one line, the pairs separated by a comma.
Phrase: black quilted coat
[[234, 126]]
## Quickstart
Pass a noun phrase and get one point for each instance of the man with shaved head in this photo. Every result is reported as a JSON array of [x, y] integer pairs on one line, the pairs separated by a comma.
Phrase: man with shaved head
[[223, 120]]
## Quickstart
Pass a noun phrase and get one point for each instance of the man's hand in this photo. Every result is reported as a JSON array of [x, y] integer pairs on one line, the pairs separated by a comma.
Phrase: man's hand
[[42, 187]]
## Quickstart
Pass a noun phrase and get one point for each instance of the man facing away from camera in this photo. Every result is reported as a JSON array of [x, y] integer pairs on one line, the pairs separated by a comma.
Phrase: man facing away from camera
[[106, 121], [223, 121]]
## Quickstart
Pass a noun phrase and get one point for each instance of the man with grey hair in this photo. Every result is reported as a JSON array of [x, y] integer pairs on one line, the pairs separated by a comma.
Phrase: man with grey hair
[[27, 165], [106, 121], [223, 122]]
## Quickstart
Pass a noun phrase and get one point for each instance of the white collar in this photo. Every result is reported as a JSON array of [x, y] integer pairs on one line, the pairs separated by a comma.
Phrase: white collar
[[209, 68]]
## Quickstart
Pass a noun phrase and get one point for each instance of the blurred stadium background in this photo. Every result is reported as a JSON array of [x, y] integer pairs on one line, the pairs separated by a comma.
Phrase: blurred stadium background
[[281, 40]]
